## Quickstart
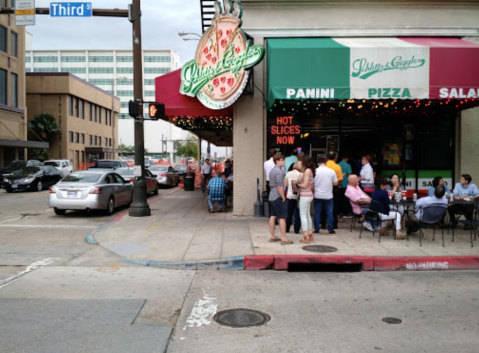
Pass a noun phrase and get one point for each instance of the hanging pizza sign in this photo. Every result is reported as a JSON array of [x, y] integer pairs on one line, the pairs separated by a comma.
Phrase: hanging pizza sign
[[219, 73]]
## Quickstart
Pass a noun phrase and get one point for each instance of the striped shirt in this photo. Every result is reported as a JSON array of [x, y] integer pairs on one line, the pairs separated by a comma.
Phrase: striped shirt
[[307, 191]]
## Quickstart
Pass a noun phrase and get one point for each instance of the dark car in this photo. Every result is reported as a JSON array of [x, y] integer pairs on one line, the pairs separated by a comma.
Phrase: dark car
[[16, 165], [32, 178], [108, 164], [182, 170]]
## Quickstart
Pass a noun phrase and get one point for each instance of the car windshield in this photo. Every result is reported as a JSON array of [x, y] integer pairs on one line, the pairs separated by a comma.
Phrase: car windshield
[[54, 164], [159, 168], [15, 165], [28, 170], [107, 164], [82, 178], [181, 167]]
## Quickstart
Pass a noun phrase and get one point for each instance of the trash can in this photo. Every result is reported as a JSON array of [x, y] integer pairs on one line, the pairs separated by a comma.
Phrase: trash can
[[189, 183]]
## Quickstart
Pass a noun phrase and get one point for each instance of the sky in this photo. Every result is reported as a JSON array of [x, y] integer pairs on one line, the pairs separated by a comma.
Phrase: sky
[[161, 21]]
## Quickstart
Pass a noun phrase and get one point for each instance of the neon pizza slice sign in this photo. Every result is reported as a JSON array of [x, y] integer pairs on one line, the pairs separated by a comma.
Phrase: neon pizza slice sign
[[219, 73]]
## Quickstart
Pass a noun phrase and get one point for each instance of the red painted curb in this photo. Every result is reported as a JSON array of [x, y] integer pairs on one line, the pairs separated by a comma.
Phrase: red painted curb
[[258, 262], [370, 263]]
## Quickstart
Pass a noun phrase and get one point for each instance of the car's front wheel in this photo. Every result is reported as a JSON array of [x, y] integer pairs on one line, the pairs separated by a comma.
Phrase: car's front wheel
[[59, 212], [110, 207], [155, 192], [39, 186], [9, 189]]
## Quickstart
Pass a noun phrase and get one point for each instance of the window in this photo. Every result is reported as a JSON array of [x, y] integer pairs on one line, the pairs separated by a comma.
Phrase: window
[[91, 140], [128, 82], [14, 44], [28, 59], [27, 69], [70, 136], [74, 70], [3, 39], [124, 59], [73, 59], [156, 70], [157, 59], [109, 117], [100, 70], [45, 59], [70, 105], [76, 106], [45, 69], [3, 87], [82, 139], [149, 93], [124, 93], [94, 113], [124, 116], [124, 104], [77, 137], [149, 82], [14, 90], [101, 82], [124, 70], [82, 115], [100, 59]]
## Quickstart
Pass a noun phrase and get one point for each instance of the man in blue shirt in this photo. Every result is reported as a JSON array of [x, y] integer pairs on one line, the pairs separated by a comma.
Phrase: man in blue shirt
[[437, 200], [462, 190], [217, 187], [345, 206], [289, 161]]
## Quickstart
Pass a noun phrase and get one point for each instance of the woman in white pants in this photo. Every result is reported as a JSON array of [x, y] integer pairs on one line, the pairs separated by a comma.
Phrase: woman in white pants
[[306, 195], [381, 198]]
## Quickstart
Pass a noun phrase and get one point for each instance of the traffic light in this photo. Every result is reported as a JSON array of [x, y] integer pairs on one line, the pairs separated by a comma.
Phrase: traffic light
[[134, 109], [156, 111]]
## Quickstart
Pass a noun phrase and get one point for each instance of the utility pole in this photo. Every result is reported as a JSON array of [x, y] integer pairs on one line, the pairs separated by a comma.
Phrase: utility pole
[[162, 147], [139, 207]]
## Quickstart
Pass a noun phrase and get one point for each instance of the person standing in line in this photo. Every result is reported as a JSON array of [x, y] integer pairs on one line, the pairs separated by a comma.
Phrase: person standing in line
[[324, 180], [345, 206], [291, 160], [293, 210], [366, 176], [277, 200], [332, 158], [205, 174], [268, 166], [306, 196]]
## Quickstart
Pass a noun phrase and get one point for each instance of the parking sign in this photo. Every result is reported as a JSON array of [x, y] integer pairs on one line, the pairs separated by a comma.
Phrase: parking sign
[[25, 13]]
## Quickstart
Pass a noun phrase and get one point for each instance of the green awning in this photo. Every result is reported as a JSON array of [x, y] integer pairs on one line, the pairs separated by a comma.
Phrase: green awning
[[309, 68]]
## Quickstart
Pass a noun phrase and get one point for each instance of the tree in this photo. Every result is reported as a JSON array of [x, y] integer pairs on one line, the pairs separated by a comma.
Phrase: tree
[[44, 125], [41, 154], [130, 150], [188, 149]]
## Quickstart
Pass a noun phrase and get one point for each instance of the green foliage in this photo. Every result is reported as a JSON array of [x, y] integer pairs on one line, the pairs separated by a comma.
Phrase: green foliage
[[41, 154], [128, 149], [44, 125], [188, 149]]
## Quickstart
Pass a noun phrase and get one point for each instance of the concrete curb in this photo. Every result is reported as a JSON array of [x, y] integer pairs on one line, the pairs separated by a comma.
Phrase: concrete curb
[[369, 263], [232, 263]]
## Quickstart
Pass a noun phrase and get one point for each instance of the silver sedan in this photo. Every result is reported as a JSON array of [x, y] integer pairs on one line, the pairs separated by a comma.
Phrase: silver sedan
[[165, 174], [90, 190]]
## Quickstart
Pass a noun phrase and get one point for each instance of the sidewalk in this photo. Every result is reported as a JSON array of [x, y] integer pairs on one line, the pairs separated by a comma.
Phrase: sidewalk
[[181, 230]]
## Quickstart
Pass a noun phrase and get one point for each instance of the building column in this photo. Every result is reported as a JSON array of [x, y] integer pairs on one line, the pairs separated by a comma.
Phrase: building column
[[468, 144]]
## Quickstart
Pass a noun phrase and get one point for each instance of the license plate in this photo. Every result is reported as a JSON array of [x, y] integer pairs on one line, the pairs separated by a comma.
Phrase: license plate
[[14, 186], [72, 194]]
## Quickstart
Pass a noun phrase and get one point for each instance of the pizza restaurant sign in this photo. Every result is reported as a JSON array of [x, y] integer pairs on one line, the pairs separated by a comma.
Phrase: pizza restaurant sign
[[219, 73]]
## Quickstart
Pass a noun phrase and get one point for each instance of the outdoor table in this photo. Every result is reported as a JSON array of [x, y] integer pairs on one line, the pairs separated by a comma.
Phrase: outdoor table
[[406, 203]]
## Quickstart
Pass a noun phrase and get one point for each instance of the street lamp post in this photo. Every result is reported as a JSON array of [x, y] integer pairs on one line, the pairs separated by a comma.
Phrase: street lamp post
[[113, 113], [139, 207]]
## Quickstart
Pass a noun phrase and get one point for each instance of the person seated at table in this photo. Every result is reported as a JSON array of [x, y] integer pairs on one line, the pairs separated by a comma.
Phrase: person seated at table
[[438, 199], [396, 186], [385, 214], [462, 190], [438, 181], [217, 187], [358, 198]]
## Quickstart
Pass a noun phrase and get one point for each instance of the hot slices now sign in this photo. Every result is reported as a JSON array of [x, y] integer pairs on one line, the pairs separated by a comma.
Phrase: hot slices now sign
[[219, 73]]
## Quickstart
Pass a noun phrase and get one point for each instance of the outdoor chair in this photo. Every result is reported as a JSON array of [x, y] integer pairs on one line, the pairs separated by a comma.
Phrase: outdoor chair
[[372, 216], [430, 218], [355, 215], [473, 226]]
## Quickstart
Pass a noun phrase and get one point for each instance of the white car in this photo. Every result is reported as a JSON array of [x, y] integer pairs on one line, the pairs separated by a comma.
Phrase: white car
[[63, 165]]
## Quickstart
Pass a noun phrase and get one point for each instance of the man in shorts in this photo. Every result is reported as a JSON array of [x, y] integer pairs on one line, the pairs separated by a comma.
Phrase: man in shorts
[[277, 199]]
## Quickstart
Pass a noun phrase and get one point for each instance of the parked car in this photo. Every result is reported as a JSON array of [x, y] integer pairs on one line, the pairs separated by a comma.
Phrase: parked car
[[32, 178], [16, 165], [149, 163], [151, 182], [91, 190], [63, 165], [165, 174], [108, 164], [182, 169]]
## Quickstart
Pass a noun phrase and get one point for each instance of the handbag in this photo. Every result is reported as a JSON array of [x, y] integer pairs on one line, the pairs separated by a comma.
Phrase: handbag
[[294, 185]]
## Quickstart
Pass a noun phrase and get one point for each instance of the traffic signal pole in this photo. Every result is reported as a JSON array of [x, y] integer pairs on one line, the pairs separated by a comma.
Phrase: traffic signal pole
[[139, 207]]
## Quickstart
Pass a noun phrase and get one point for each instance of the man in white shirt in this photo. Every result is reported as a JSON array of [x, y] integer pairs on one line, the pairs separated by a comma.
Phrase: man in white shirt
[[205, 174], [268, 165], [324, 180]]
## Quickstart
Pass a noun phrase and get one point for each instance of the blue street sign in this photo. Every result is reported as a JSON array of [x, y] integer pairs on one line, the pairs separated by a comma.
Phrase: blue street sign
[[70, 9]]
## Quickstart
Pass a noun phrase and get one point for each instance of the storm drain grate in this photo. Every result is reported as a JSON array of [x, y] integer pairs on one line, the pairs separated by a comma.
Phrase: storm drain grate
[[320, 248], [392, 320], [241, 318]]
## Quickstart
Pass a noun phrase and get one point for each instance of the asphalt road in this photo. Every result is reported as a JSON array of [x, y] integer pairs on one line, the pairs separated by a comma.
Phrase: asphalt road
[[59, 294]]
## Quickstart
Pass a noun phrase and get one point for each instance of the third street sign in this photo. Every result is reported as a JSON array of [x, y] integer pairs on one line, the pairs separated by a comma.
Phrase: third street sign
[[70, 9]]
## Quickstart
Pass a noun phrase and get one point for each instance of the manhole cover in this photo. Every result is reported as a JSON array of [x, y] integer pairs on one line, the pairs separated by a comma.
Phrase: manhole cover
[[392, 320], [241, 318], [320, 248]]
